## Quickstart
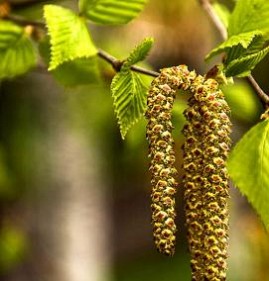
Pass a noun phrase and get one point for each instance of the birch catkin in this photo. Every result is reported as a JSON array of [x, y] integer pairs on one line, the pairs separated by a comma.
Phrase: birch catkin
[[206, 181], [205, 177], [161, 151]]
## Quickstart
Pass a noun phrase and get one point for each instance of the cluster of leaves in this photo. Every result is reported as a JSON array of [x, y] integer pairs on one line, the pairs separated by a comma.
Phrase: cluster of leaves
[[248, 37], [245, 47], [71, 56]]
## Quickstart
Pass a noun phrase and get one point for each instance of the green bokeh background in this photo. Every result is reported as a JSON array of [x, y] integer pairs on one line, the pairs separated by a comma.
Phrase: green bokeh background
[[36, 112]]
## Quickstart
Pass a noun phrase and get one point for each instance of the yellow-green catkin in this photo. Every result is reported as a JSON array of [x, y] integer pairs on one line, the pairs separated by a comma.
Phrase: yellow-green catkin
[[160, 101], [206, 180]]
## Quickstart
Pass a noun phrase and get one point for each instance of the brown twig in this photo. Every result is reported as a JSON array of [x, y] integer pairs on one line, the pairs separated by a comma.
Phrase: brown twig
[[24, 22], [25, 3], [262, 95], [117, 64], [206, 5]]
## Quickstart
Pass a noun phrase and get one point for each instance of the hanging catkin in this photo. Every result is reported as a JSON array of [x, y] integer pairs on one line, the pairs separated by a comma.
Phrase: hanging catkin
[[206, 181], [161, 151], [205, 176]]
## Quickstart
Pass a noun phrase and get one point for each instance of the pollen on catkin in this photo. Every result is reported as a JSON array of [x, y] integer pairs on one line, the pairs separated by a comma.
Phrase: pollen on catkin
[[160, 101], [205, 179]]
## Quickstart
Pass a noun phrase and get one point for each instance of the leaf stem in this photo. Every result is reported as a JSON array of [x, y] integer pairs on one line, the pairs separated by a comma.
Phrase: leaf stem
[[207, 6]]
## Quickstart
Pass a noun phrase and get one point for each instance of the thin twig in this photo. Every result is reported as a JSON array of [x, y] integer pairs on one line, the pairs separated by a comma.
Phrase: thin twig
[[262, 95], [22, 21], [214, 18], [25, 3], [206, 5], [117, 64]]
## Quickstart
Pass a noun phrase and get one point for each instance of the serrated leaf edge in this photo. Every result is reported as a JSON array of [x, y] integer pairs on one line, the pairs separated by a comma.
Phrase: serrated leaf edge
[[124, 130], [244, 73], [221, 48], [53, 66]]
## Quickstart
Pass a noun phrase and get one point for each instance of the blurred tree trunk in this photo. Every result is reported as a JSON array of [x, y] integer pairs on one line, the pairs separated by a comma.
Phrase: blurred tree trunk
[[65, 209]]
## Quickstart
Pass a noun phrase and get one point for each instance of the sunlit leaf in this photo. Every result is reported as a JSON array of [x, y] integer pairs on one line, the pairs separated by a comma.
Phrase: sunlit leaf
[[241, 41], [129, 98], [129, 89], [69, 36], [248, 166], [140, 52], [249, 15], [111, 11]]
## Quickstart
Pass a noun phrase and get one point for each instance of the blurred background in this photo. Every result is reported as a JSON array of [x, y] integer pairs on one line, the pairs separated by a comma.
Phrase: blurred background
[[74, 197]]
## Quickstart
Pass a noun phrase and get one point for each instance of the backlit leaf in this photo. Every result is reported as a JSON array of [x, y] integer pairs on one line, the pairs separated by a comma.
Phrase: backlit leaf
[[69, 36], [111, 11], [140, 51], [237, 45], [248, 166], [249, 15], [129, 98]]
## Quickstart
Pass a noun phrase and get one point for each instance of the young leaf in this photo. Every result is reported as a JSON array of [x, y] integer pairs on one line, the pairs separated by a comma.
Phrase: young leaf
[[129, 95], [111, 11], [69, 36], [17, 51], [140, 52], [248, 166], [242, 66], [242, 40], [249, 15]]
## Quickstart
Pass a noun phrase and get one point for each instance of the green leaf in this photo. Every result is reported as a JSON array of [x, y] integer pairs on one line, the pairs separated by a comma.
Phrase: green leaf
[[111, 11], [140, 52], [248, 166], [242, 66], [129, 95], [249, 15], [17, 51], [236, 44], [69, 36]]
